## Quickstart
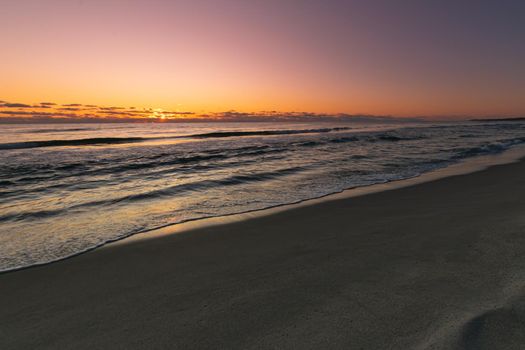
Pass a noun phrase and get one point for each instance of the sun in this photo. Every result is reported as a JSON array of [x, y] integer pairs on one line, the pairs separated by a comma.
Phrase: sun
[[158, 113]]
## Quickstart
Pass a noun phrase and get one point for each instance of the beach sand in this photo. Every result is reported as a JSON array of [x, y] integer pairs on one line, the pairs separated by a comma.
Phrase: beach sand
[[438, 265]]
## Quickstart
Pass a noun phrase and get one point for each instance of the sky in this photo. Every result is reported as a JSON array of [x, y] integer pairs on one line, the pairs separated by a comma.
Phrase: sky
[[447, 58]]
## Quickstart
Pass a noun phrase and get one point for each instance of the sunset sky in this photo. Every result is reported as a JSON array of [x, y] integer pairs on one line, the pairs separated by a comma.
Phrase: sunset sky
[[382, 57]]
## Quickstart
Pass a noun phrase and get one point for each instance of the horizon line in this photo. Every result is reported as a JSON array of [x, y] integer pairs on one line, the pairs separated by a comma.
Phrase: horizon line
[[55, 113]]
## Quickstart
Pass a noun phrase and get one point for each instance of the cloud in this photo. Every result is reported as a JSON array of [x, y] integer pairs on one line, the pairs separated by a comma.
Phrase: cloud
[[118, 112], [76, 112], [180, 113], [69, 109], [44, 114], [28, 113], [110, 108], [16, 105]]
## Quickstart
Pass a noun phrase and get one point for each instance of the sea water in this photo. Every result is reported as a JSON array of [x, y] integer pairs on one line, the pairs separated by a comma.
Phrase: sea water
[[67, 188]]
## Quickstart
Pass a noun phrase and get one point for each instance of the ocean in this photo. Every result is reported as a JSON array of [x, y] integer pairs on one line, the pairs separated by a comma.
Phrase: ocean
[[68, 188]]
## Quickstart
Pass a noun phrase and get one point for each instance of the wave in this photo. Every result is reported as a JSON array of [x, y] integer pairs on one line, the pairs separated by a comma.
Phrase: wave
[[75, 142], [219, 134], [18, 175], [267, 132], [488, 148], [119, 140], [155, 194], [43, 131], [130, 174], [206, 184], [394, 138], [389, 137]]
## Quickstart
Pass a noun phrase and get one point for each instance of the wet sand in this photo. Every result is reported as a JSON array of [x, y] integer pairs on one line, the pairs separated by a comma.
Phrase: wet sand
[[438, 265]]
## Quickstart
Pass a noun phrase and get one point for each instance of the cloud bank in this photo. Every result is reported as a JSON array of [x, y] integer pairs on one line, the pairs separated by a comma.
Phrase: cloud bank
[[50, 112]]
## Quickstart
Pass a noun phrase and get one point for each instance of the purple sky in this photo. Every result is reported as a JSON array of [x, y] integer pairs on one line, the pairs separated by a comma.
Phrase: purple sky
[[402, 58]]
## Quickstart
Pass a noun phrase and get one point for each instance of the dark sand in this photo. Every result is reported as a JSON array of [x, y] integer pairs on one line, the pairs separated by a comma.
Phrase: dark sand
[[438, 265]]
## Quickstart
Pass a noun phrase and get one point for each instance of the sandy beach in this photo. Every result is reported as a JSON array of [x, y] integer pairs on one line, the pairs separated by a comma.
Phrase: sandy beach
[[438, 265]]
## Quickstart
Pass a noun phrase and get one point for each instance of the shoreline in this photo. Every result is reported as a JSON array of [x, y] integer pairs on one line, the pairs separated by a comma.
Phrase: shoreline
[[466, 166], [438, 265]]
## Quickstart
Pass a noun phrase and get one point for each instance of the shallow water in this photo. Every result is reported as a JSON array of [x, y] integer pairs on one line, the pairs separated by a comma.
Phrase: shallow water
[[68, 188]]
